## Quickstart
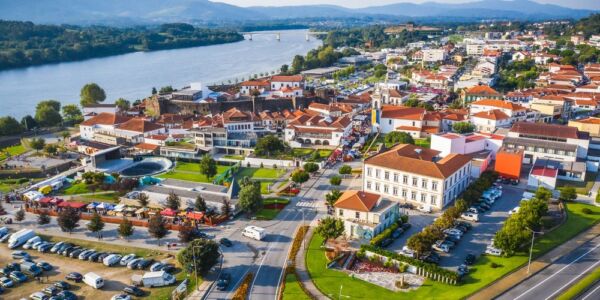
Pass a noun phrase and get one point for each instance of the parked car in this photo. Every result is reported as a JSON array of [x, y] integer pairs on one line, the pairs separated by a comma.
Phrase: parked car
[[441, 247], [94, 257], [45, 248], [169, 269], [133, 263], [5, 238], [452, 238], [470, 216], [405, 226], [386, 242], [470, 259], [5, 282], [39, 296], [19, 254], [85, 254], [397, 233], [156, 267], [51, 290], [17, 276], [144, 263], [462, 270], [101, 257], [514, 210], [126, 259], [225, 242], [453, 231], [431, 257], [223, 281], [64, 295], [74, 276], [424, 208], [44, 265], [408, 252], [75, 254], [63, 285], [111, 260], [493, 251], [121, 297], [133, 290]]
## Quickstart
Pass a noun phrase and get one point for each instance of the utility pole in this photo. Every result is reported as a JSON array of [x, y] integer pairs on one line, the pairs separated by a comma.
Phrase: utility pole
[[531, 248]]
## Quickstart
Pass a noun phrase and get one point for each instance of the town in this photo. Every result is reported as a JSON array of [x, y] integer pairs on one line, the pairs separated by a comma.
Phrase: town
[[461, 164]]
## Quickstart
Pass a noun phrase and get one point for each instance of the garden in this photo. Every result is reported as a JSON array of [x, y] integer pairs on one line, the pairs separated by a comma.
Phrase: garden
[[11, 151], [271, 208], [190, 171], [485, 270]]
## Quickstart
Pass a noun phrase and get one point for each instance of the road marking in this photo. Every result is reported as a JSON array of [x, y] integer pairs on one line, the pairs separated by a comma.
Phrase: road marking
[[556, 273], [571, 281], [591, 293]]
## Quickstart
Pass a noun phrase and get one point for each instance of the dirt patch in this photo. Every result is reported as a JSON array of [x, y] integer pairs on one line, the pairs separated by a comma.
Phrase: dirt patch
[[116, 278]]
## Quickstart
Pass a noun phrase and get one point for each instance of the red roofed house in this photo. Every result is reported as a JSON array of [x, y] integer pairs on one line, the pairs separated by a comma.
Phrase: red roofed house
[[280, 81], [480, 92], [545, 176], [415, 121], [101, 122], [489, 121], [365, 214], [248, 86], [317, 130]]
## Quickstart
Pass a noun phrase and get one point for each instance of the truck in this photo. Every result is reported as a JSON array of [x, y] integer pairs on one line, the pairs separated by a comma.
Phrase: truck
[[20, 237], [254, 232], [158, 278], [94, 280], [30, 268]]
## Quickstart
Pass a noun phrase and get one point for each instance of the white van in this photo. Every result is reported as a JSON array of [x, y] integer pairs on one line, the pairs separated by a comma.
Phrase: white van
[[254, 232], [469, 216], [111, 260], [94, 280]]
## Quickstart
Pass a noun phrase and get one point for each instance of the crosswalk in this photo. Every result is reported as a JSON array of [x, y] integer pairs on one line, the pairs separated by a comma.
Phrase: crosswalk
[[307, 204]]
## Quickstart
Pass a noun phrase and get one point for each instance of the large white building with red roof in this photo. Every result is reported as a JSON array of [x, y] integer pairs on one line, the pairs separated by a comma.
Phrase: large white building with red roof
[[309, 130]]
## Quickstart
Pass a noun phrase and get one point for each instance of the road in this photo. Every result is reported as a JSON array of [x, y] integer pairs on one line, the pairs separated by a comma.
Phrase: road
[[267, 258], [560, 275], [591, 293]]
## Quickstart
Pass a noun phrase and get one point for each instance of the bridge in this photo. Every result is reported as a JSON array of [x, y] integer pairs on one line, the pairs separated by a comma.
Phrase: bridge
[[278, 35]]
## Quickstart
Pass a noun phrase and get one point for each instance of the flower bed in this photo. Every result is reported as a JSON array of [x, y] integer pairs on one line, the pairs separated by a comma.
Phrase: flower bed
[[361, 266]]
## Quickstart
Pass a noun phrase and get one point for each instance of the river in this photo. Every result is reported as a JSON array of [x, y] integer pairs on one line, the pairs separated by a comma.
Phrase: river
[[133, 75]]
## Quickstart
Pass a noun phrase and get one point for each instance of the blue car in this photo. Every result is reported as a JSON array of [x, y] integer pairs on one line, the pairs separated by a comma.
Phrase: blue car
[[18, 276]]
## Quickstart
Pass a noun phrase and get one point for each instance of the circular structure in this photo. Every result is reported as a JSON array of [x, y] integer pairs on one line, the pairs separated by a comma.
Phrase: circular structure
[[148, 166]]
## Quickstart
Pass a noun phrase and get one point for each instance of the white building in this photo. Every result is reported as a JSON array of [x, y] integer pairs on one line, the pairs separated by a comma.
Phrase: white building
[[317, 130], [434, 55], [414, 174]]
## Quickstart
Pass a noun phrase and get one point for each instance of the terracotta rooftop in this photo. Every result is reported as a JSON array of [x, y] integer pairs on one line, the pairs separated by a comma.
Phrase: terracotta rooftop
[[357, 200], [494, 114], [140, 125], [482, 89], [402, 112], [499, 104], [286, 78], [590, 120], [543, 129], [105, 119]]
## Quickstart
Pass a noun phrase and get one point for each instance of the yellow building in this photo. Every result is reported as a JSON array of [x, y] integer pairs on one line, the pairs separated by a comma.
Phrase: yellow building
[[548, 109], [591, 125]]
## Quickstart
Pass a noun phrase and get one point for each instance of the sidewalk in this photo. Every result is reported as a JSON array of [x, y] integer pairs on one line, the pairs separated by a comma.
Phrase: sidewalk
[[302, 272], [514, 278]]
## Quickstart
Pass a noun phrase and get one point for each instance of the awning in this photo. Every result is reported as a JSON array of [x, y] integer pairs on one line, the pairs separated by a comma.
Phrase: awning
[[105, 205], [119, 208], [56, 200], [92, 205], [195, 215], [141, 210], [168, 212], [76, 205], [46, 200]]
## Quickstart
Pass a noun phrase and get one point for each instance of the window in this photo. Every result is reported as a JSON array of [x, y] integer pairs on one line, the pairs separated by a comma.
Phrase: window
[[433, 200], [423, 197], [404, 194], [357, 215], [369, 171], [390, 122], [396, 177], [424, 183], [395, 191], [368, 185], [386, 175], [405, 179], [377, 186], [415, 180], [341, 212], [377, 173], [386, 189], [413, 195], [434, 185]]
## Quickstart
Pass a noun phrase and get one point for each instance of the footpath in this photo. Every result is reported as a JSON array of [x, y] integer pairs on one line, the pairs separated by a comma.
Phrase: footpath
[[504, 284], [302, 272]]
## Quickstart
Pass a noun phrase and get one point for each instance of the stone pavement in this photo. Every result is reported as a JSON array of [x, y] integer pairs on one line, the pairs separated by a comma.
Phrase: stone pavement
[[302, 272], [514, 278]]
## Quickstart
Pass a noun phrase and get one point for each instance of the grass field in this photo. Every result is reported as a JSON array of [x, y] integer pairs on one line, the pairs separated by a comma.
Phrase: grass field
[[236, 157], [111, 197], [292, 289], [264, 187], [270, 213], [259, 173], [190, 172], [77, 188], [580, 187], [482, 273], [7, 185], [12, 151], [423, 143]]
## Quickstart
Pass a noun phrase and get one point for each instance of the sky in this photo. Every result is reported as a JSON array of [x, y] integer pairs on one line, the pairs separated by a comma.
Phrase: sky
[[587, 4]]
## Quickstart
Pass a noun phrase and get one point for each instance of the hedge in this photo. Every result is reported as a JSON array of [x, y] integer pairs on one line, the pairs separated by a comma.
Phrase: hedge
[[242, 291], [376, 240], [427, 267]]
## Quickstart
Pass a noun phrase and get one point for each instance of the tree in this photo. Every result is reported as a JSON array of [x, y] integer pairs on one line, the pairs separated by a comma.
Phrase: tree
[[208, 166], [68, 219], [200, 204], [91, 93], [300, 176], [157, 228], [47, 113], [418, 243], [173, 201], [463, 127], [27, 122], [65, 135], [269, 145], [200, 255], [396, 137], [10, 126], [166, 89], [154, 91], [51, 149], [284, 69], [226, 207], [123, 104], [186, 234], [43, 218], [568, 194], [315, 156], [297, 64], [543, 193], [20, 215], [345, 170], [71, 113], [330, 228], [250, 198], [37, 144], [332, 197], [142, 199], [335, 180], [311, 167], [512, 235], [461, 205], [125, 229], [96, 224]]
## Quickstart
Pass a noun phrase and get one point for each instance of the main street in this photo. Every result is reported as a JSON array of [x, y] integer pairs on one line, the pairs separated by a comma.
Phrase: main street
[[267, 258], [560, 275]]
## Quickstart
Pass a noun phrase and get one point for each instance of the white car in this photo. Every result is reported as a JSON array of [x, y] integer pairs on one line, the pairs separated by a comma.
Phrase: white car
[[441, 248], [425, 208], [469, 216], [453, 231], [126, 259], [407, 252], [514, 210], [493, 251], [121, 297]]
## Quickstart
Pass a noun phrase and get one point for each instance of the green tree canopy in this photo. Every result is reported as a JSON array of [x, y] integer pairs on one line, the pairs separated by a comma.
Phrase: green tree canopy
[[345, 170], [568, 194], [10, 126], [208, 166], [269, 145], [47, 113], [91, 93], [200, 204], [68, 219], [200, 255], [463, 127], [157, 227], [173, 201], [72, 113], [123, 104], [96, 224], [250, 198], [396, 137], [125, 229], [37, 143], [330, 228], [300, 176]]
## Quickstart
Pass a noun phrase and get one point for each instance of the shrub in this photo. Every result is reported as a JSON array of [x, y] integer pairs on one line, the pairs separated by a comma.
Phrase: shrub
[[388, 263], [403, 219], [598, 197], [384, 234], [242, 291], [345, 169], [494, 265], [587, 211], [311, 167], [402, 268], [335, 180]]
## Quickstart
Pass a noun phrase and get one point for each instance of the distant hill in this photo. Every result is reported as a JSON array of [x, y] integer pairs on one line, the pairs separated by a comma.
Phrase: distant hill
[[204, 11]]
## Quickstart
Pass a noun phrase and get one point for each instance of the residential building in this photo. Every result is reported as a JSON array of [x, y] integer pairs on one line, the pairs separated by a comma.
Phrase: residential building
[[480, 92], [101, 122], [590, 125], [509, 162], [91, 110], [417, 175], [489, 121], [317, 130], [365, 214], [434, 55]]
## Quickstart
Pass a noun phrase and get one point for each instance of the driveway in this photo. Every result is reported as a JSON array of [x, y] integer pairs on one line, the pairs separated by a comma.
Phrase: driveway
[[418, 221]]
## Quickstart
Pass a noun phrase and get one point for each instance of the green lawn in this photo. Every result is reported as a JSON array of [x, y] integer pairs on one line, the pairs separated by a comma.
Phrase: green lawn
[[111, 197], [324, 153], [77, 188], [579, 286], [482, 274], [270, 213], [259, 173], [301, 152], [580, 187], [423, 143], [264, 187], [190, 172], [236, 157], [7, 185], [292, 290], [12, 151]]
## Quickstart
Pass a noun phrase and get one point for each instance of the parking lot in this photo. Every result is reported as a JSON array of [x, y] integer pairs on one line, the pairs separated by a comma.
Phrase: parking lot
[[475, 240]]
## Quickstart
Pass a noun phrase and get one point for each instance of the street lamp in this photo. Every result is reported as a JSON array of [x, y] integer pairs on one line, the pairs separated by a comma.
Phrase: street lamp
[[531, 248], [195, 266]]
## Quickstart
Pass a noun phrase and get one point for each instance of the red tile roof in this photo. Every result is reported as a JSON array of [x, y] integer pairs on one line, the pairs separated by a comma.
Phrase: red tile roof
[[357, 200], [140, 125], [286, 78], [499, 104], [494, 114], [105, 119], [543, 129], [482, 89], [543, 171]]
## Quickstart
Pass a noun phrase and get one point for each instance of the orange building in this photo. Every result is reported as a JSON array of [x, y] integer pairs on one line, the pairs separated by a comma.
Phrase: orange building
[[509, 162]]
